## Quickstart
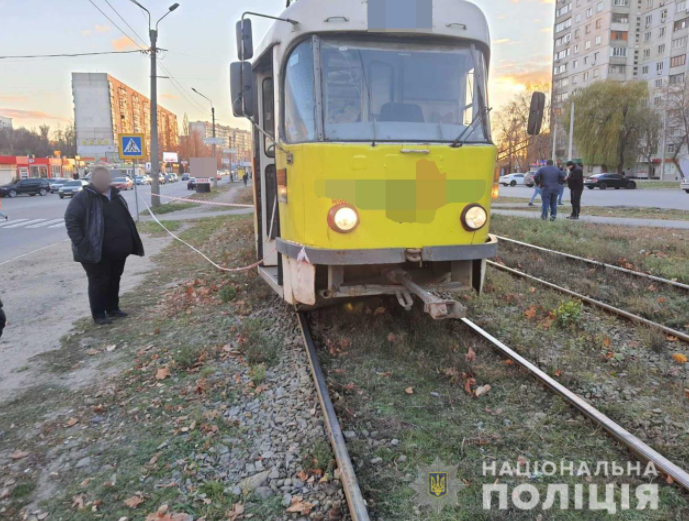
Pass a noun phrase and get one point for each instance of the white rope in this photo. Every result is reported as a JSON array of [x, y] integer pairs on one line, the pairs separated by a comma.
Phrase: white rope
[[221, 268], [199, 201]]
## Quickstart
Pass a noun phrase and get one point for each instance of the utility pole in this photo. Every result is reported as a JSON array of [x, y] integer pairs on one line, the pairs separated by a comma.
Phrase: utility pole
[[215, 146], [554, 140], [155, 160], [571, 134], [664, 155]]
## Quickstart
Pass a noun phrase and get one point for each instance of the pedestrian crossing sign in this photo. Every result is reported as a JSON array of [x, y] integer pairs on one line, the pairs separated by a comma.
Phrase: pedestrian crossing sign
[[132, 146]]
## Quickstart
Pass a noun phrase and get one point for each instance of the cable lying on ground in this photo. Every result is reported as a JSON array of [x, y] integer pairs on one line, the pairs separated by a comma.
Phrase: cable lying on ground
[[213, 263]]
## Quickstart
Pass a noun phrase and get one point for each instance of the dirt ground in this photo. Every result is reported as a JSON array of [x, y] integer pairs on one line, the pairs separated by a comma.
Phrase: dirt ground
[[44, 295]]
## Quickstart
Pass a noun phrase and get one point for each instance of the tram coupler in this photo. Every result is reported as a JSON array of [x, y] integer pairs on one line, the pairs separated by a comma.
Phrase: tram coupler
[[437, 308]]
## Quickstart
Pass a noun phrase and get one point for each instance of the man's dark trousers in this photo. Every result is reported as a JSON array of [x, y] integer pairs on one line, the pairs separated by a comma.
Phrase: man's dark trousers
[[576, 202], [104, 285]]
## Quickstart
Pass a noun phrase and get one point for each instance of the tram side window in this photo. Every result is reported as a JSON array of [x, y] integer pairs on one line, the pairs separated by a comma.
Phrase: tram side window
[[300, 106], [268, 116]]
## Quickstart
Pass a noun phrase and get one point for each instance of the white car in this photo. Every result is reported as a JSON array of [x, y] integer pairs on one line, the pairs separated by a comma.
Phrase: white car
[[511, 180], [685, 185]]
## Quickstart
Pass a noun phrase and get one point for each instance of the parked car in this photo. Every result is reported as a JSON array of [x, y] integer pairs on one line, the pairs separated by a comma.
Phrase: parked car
[[171, 178], [122, 183], [143, 180], [56, 183], [161, 179], [31, 187], [685, 185], [185, 177], [605, 181], [71, 188], [529, 179], [511, 180]]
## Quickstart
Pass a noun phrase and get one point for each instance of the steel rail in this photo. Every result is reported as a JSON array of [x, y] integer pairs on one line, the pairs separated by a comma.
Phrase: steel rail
[[355, 500], [597, 263], [638, 447], [612, 309]]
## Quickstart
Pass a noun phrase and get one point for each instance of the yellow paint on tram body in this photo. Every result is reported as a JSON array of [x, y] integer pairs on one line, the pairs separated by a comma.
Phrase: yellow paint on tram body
[[405, 200]]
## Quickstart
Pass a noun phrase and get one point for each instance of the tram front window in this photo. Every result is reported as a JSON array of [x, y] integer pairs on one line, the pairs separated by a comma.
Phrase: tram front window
[[402, 92]]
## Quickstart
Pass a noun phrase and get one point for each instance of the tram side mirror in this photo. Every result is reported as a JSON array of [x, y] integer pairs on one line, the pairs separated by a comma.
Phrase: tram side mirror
[[245, 40], [242, 89], [536, 114]]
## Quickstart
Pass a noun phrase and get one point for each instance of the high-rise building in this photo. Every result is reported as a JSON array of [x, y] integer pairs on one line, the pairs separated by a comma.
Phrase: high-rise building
[[594, 40], [5, 122], [105, 107], [622, 40]]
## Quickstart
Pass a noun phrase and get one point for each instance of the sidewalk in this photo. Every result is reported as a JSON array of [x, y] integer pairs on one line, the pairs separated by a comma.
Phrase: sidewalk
[[619, 221]]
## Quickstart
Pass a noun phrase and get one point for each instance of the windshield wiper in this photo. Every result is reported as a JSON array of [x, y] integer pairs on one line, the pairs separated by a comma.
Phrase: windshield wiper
[[481, 115]]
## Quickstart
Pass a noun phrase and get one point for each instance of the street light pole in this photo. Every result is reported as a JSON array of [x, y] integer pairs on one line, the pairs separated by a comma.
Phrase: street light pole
[[155, 157], [571, 134], [215, 147]]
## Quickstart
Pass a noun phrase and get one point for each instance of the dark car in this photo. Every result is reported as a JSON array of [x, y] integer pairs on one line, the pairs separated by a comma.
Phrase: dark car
[[191, 185], [185, 177], [605, 181], [32, 187]]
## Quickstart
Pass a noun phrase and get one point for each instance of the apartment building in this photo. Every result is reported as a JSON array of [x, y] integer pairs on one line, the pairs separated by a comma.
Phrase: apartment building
[[622, 40], [594, 40], [234, 138], [105, 107]]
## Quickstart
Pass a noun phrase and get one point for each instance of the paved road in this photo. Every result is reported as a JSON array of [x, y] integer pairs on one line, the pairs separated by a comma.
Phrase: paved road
[[619, 221], [37, 222], [675, 199]]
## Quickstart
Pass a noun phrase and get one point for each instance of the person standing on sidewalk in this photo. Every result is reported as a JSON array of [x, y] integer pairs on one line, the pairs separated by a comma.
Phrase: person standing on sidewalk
[[562, 190], [575, 181], [536, 193], [3, 319], [103, 235], [549, 178]]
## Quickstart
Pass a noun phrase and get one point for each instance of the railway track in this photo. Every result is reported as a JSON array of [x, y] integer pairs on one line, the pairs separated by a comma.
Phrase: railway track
[[355, 500], [681, 335]]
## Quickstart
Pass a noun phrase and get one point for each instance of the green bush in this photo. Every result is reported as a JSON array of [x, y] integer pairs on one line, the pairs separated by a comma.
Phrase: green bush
[[568, 313]]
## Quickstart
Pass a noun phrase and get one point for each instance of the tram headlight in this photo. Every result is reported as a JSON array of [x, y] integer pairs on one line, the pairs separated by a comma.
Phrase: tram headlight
[[474, 217], [343, 218]]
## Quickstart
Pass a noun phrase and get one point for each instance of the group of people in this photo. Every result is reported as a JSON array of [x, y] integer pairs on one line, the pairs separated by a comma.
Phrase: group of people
[[550, 185]]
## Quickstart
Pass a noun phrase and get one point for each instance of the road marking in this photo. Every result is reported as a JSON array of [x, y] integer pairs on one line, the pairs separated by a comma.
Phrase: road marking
[[5, 223], [48, 223], [32, 252], [18, 225], [60, 225]]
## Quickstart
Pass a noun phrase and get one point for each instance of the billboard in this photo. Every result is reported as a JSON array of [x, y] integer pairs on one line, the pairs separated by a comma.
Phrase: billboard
[[170, 157]]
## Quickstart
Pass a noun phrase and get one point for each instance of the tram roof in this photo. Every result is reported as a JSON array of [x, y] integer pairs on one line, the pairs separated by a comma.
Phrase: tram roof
[[457, 19]]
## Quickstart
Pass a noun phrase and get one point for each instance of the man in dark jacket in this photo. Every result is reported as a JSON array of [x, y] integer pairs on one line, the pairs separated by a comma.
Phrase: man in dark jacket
[[103, 235], [3, 319], [575, 181], [549, 178]]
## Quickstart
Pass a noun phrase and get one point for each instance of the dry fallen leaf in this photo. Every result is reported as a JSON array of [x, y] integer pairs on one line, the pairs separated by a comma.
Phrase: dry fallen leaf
[[482, 390], [133, 501], [558, 373], [606, 342], [300, 506], [237, 510], [19, 454], [531, 312], [72, 422], [470, 356], [409, 390], [679, 358], [162, 373], [468, 383], [78, 501]]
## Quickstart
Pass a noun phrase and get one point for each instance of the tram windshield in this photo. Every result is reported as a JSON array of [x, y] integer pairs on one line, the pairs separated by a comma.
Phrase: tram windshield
[[386, 91]]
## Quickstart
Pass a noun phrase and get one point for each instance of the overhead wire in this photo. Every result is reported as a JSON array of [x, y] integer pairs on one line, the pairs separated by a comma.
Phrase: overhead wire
[[31, 56], [175, 83]]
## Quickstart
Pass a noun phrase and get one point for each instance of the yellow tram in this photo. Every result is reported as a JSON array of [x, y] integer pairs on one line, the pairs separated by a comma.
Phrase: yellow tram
[[373, 158]]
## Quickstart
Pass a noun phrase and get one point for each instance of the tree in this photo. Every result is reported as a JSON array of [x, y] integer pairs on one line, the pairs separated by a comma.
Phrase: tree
[[677, 123], [610, 122], [510, 127]]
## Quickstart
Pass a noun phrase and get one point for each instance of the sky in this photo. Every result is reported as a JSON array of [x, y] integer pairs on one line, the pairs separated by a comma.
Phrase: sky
[[200, 41]]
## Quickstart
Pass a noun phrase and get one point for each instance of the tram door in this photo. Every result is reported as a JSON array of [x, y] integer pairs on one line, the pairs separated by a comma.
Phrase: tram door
[[266, 182]]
